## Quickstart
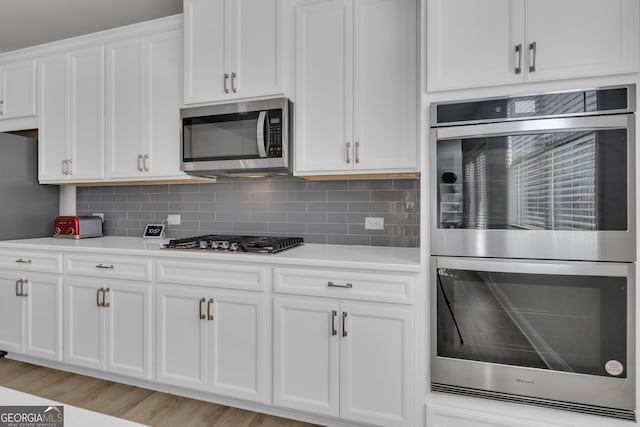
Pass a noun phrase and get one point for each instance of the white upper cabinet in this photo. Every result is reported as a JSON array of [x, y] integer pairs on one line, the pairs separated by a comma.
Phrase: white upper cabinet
[[355, 87], [111, 112], [472, 43], [143, 100], [71, 119], [513, 41], [233, 49], [576, 38], [18, 89]]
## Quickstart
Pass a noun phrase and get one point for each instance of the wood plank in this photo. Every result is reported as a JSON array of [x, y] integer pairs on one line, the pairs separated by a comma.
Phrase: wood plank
[[132, 403]]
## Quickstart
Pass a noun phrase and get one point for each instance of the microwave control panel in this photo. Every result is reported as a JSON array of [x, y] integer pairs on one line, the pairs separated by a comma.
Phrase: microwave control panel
[[275, 134]]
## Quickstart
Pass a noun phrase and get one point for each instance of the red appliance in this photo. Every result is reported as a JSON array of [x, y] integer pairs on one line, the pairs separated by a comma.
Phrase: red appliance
[[77, 227]]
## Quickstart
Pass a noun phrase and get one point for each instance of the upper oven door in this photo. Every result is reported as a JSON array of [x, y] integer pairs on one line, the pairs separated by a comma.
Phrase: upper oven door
[[236, 136], [559, 188]]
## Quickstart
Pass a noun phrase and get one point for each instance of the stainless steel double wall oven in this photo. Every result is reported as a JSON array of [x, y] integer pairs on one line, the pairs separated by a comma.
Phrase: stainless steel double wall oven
[[533, 242]]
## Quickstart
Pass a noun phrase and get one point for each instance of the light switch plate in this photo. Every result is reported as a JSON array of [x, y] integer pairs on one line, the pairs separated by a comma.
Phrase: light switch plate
[[374, 223]]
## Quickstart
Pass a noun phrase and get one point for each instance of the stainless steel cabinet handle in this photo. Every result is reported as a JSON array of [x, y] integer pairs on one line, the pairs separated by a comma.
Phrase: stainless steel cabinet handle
[[139, 162], [98, 303], [344, 323], [145, 163], [533, 47], [209, 315], [1, 107], [518, 68], [105, 267], [233, 82], [64, 167], [18, 287], [70, 166], [226, 79], [22, 291], [357, 150], [334, 332], [23, 261], [202, 301], [337, 285], [104, 295], [348, 151]]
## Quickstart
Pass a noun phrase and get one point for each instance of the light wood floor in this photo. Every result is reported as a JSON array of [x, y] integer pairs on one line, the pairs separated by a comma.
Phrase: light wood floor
[[128, 402]]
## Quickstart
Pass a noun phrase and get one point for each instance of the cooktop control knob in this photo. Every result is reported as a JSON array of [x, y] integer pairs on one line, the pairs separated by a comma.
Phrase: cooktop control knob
[[234, 246], [203, 244]]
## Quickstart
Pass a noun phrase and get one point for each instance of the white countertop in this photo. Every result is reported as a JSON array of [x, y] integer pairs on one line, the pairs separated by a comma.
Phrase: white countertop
[[348, 256]]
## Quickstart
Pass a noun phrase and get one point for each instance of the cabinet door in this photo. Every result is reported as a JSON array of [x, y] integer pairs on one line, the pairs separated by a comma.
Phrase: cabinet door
[[53, 131], [205, 38], [385, 87], [576, 38], [324, 86], [124, 118], [86, 117], [83, 337], [44, 317], [162, 101], [181, 337], [18, 90], [472, 43], [305, 355], [255, 47], [11, 313], [128, 329], [235, 342], [374, 365]]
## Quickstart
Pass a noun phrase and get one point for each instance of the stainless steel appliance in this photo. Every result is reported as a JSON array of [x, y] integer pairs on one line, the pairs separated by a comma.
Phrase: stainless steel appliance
[[28, 208], [243, 138], [549, 176], [551, 333], [232, 243]]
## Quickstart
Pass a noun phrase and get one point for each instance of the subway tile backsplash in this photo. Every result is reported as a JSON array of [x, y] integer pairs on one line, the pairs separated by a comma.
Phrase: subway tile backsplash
[[320, 211]]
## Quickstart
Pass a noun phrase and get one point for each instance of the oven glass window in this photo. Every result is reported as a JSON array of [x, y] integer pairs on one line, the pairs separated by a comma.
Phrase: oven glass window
[[559, 322], [574, 180]]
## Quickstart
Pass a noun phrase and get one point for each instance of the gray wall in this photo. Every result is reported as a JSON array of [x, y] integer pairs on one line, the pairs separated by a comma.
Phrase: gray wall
[[320, 211]]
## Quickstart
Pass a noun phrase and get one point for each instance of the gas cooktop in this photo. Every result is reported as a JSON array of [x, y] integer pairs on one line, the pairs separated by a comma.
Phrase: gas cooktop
[[231, 243]]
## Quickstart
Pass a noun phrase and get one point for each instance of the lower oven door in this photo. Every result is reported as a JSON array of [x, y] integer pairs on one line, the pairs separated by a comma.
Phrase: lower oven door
[[545, 332]]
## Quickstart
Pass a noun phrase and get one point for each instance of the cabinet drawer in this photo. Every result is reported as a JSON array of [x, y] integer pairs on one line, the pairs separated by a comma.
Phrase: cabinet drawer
[[227, 275], [43, 262], [108, 266], [386, 287]]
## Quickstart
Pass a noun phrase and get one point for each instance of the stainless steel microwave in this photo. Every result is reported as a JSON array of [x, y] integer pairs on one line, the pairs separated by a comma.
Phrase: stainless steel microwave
[[237, 139]]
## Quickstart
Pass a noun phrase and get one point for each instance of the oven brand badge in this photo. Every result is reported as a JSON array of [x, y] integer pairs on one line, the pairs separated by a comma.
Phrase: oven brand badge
[[613, 367], [525, 381]]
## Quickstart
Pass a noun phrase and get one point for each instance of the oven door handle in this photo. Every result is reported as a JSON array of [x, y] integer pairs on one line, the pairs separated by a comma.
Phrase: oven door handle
[[551, 267], [261, 134], [524, 127]]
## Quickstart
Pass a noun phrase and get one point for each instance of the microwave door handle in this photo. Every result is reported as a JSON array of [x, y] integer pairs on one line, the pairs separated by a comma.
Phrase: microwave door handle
[[260, 134]]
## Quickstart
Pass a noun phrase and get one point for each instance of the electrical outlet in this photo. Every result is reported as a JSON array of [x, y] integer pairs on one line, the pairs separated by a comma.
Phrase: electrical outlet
[[173, 219], [101, 215], [374, 223]]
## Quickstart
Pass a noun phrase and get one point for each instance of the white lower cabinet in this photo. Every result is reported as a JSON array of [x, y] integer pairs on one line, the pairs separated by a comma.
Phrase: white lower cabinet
[[31, 314], [108, 326], [348, 360], [212, 340]]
